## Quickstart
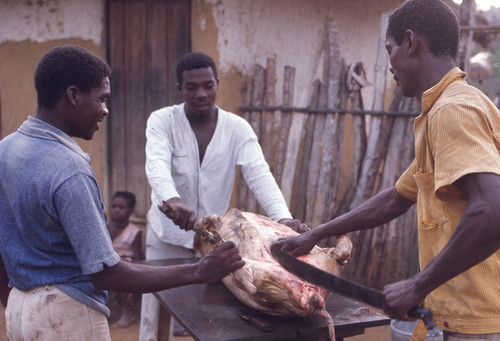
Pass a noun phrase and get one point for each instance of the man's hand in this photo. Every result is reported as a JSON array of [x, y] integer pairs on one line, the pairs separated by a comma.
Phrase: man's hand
[[219, 263], [400, 297], [181, 214], [298, 245], [295, 225]]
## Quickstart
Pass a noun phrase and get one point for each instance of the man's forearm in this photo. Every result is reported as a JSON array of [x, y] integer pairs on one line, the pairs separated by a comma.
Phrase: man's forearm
[[378, 210], [140, 278]]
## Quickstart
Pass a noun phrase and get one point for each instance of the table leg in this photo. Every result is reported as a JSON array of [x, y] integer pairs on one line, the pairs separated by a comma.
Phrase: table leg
[[165, 326]]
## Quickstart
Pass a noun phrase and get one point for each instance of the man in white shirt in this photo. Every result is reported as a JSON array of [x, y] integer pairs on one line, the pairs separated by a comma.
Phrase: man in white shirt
[[192, 150]]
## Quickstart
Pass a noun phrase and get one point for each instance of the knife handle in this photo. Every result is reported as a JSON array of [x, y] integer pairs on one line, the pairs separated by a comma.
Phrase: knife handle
[[424, 314], [258, 322]]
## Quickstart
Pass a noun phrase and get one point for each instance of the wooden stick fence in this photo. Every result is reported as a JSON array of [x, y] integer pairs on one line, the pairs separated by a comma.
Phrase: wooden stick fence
[[326, 162]]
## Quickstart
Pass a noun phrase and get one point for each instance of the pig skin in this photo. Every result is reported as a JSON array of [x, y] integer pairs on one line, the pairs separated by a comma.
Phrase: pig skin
[[263, 284]]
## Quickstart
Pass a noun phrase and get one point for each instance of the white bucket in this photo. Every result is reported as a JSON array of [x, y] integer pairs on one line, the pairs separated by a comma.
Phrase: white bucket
[[402, 330]]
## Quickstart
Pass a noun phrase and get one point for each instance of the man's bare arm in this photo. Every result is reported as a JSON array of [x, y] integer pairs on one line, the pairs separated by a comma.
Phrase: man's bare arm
[[141, 278], [376, 211]]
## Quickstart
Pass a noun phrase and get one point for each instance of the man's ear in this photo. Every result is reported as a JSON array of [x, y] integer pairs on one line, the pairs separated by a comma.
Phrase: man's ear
[[179, 87], [411, 42], [72, 93]]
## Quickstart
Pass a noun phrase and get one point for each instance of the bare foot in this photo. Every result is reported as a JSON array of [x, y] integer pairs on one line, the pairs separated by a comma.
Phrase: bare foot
[[126, 319]]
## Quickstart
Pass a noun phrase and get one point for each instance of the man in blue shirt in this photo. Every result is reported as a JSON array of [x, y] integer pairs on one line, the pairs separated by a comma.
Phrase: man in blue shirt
[[54, 242]]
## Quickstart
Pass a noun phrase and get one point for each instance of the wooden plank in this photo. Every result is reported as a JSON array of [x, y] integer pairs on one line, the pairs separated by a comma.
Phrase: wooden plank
[[466, 18], [359, 145], [332, 76], [299, 205], [179, 43], [286, 121], [391, 163], [289, 139], [243, 189], [270, 120], [316, 149], [369, 169], [255, 118], [116, 122], [135, 65], [159, 68], [333, 186], [364, 240]]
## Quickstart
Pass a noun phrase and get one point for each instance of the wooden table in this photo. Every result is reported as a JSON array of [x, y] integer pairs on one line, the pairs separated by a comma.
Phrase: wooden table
[[209, 313]]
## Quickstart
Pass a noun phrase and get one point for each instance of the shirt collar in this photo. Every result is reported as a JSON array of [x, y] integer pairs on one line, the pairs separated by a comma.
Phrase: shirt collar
[[41, 129], [430, 96]]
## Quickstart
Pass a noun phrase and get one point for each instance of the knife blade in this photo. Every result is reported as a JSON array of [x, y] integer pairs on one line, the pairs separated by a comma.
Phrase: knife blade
[[342, 286], [256, 321]]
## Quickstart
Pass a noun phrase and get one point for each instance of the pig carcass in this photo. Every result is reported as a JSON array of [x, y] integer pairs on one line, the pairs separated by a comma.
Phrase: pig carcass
[[263, 284]]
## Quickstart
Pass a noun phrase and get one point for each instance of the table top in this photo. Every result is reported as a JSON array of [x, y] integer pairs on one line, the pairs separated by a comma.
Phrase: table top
[[209, 312]]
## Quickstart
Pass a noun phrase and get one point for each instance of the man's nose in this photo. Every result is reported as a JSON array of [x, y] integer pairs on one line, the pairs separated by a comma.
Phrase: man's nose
[[201, 93]]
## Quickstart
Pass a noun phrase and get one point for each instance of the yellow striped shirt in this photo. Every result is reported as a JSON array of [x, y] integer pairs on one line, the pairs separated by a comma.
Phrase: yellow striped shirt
[[457, 133]]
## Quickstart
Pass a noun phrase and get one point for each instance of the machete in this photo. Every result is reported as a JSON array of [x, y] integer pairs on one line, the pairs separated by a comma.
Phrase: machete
[[342, 286]]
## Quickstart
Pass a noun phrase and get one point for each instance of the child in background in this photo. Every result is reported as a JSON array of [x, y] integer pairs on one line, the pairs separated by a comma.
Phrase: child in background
[[127, 242]]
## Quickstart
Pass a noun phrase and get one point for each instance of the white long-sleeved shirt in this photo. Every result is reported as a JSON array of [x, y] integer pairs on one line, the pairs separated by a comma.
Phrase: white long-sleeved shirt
[[173, 170]]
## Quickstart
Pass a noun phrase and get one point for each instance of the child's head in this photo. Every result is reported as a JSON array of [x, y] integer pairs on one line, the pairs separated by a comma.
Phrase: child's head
[[122, 206]]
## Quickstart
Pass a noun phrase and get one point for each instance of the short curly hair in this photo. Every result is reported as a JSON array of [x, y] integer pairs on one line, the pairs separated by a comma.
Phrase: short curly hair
[[65, 66], [194, 60], [433, 19], [128, 196]]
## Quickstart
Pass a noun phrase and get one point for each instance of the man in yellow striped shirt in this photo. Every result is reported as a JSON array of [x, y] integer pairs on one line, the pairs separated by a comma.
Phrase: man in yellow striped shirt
[[454, 180]]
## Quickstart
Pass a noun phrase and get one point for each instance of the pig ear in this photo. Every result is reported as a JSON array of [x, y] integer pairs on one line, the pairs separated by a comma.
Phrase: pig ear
[[342, 252]]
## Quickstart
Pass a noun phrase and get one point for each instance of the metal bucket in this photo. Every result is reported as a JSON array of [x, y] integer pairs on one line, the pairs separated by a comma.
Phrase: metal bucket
[[402, 330]]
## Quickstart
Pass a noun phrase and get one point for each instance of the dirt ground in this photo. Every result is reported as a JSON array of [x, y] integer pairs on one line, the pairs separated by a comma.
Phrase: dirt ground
[[132, 333]]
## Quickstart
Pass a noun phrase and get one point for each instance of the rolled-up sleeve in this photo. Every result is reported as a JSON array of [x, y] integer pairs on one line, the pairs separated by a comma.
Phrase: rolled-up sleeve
[[406, 185]]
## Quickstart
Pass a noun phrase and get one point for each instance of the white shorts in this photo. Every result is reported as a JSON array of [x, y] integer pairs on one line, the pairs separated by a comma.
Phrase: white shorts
[[47, 313]]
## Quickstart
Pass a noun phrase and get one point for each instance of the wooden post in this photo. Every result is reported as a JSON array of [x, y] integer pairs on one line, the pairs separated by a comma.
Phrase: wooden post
[[332, 74], [271, 120], [257, 99], [369, 168], [299, 204], [319, 127], [467, 18], [359, 137], [286, 121], [293, 150]]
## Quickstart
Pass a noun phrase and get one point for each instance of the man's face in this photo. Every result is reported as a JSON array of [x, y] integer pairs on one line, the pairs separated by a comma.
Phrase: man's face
[[91, 110], [199, 90], [401, 65]]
